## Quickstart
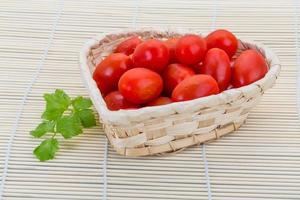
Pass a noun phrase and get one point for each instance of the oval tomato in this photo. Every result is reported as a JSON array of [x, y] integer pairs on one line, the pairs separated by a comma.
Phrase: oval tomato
[[217, 64], [152, 54], [127, 46], [171, 44], [116, 101], [174, 74], [109, 71], [160, 101], [222, 39], [249, 67], [195, 87], [140, 85], [190, 49]]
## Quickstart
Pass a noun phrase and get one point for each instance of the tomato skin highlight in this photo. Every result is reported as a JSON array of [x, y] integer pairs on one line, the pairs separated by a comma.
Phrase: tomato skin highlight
[[217, 64], [109, 71], [171, 45], [160, 101], [190, 49], [152, 54], [174, 74], [194, 87], [128, 46], [249, 67], [222, 39], [140, 85], [116, 101]]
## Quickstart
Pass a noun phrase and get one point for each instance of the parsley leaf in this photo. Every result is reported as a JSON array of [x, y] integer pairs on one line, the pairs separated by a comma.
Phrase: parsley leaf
[[68, 126], [47, 149], [42, 129], [56, 104], [81, 103], [62, 115], [86, 117]]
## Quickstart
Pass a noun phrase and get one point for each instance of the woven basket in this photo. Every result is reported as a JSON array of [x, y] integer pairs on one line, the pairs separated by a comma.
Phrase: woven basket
[[172, 127]]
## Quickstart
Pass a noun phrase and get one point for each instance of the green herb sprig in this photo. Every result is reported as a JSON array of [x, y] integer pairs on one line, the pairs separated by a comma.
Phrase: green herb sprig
[[64, 116]]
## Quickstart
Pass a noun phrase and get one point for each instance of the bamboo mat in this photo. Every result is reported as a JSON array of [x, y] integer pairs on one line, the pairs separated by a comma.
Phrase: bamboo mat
[[39, 44]]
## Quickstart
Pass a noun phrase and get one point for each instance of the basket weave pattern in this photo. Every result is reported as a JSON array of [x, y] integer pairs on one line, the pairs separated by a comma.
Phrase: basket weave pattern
[[172, 127]]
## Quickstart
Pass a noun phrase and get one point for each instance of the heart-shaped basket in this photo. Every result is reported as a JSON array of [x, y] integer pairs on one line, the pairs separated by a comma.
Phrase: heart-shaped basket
[[172, 127]]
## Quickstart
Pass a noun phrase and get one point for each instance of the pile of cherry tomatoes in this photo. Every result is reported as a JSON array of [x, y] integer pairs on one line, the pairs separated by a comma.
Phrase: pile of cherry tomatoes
[[157, 72]]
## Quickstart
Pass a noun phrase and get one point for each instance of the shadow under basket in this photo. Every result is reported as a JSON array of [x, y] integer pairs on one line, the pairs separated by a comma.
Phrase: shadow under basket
[[173, 127]]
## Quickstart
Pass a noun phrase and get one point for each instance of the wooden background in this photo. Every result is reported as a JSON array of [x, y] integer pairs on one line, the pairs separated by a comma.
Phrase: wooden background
[[39, 45]]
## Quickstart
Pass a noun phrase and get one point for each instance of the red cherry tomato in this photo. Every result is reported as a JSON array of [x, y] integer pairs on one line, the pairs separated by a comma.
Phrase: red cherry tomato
[[140, 85], [222, 39], [194, 87], [197, 67], [174, 74], [171, 44], [116, 101], [217, 64], [160, 101], [249, 67], [127, 46], [152, 54], [109, 71], [190, 49]]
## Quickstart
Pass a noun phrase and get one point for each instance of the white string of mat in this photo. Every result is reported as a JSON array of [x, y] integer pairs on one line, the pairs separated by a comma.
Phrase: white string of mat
[[24, 98], [296, 29], [206, 169], [209, 194], [104, 165], [104, 170], [136, 11]]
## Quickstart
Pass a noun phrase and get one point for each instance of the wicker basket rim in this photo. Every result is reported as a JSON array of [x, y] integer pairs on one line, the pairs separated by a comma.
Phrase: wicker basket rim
[[118, 117]]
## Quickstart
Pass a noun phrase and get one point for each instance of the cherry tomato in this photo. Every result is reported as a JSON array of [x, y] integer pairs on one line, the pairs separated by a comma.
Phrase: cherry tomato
[[174, 74], [140, 85], [190, 49], [194, 87], [197, 67], [222, 39], [127, 46], [160, 101], [109, 71], [171, 44], [152, 54], [249, 67], [116, 101], [217, 64]]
